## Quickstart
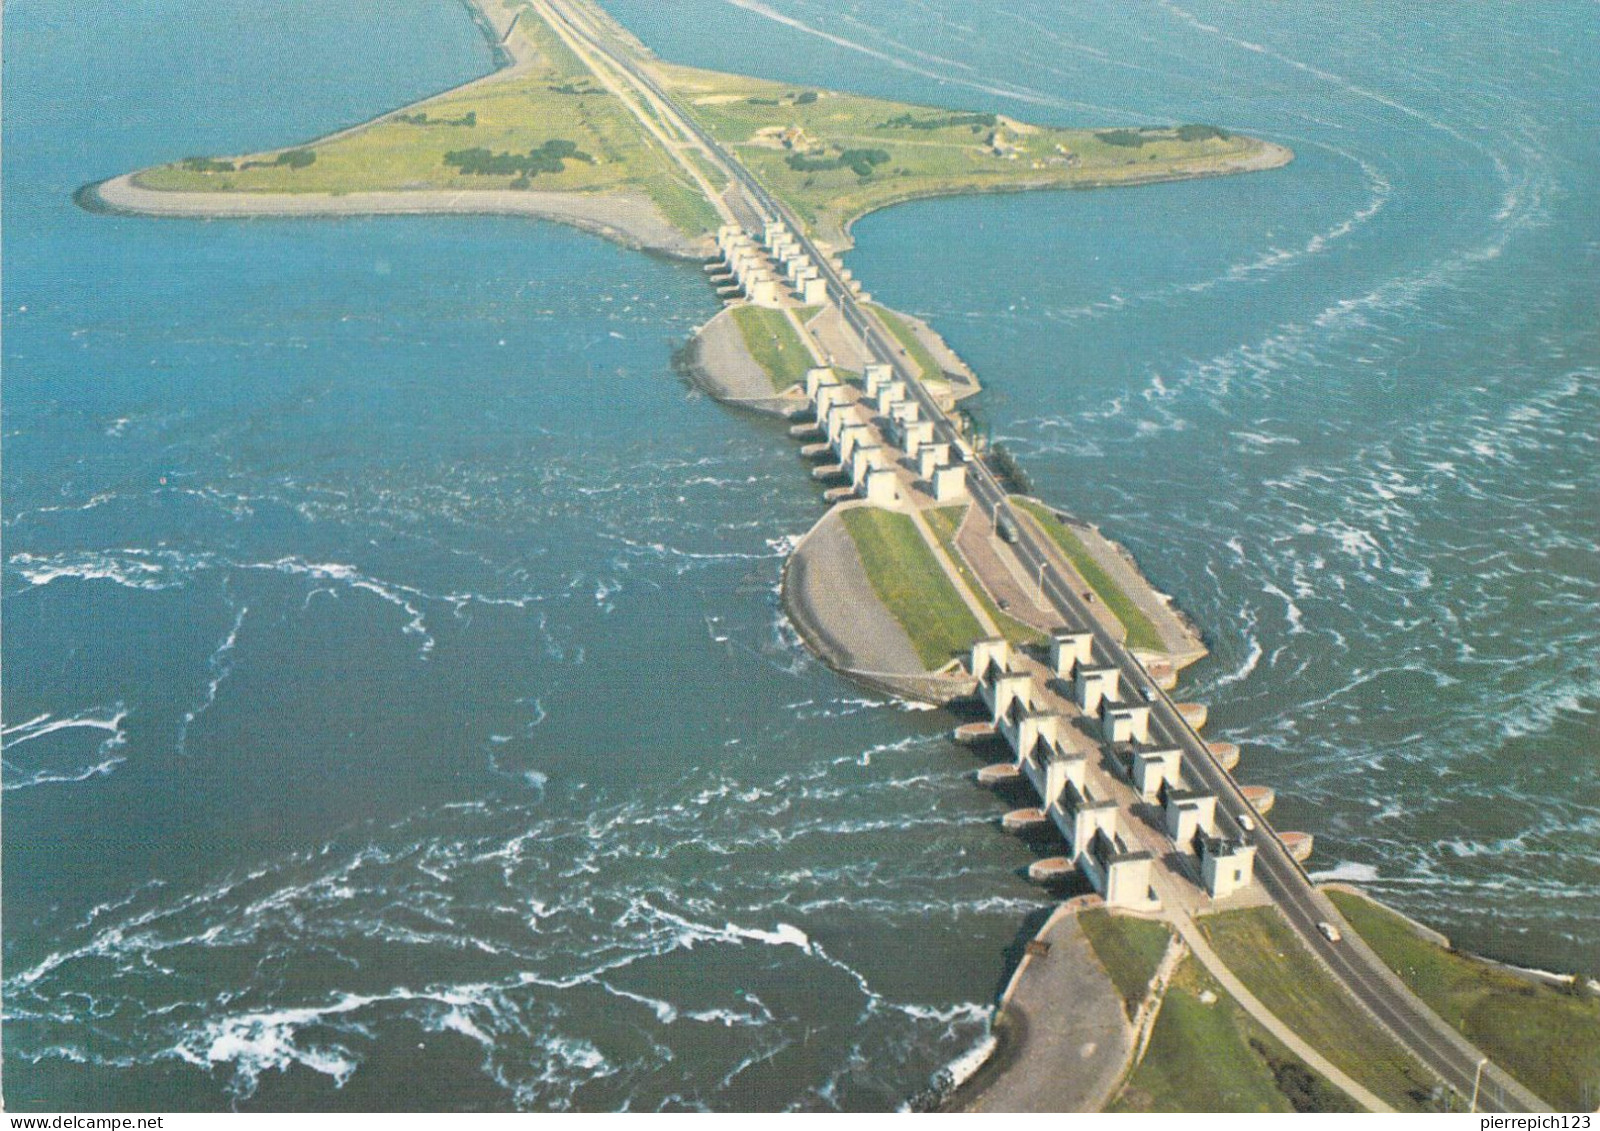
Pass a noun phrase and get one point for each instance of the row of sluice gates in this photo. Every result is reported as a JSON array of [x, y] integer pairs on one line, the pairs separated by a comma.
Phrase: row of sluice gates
[[750, 270], [1090, 823], [847, 423]]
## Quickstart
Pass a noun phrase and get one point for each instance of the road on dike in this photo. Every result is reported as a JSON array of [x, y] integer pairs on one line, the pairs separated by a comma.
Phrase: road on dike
[[1356, 967]]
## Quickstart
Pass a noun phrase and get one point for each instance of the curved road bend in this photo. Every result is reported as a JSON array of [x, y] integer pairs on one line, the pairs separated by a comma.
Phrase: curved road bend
[[1364, 975]]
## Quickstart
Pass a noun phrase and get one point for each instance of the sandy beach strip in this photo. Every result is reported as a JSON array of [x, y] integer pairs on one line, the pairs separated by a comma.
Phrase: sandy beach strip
[[629, 218]]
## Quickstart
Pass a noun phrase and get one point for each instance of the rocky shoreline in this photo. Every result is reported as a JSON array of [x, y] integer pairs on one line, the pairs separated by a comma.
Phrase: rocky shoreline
[[632, 220]]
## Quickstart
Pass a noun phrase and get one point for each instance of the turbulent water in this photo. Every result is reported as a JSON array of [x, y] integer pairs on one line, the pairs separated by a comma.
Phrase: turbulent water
[[398, 709]]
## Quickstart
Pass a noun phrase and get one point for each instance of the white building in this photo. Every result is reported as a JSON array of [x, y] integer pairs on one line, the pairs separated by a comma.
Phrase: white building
[[890, 395], [1125, 724], [851, 437], [1069, 651], [817, 377], [950, 483], [879, 487], [931, 457], [866, 457], [1090, 686], [989, 656], [912, 436], [1226, 865], [1153, 769]]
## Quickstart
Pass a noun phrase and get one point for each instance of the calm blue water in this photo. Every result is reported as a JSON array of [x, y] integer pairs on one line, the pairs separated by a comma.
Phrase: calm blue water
[[398, 711]]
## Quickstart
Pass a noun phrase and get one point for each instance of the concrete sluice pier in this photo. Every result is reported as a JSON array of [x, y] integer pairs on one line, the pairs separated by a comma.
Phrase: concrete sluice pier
[[1226, 754], [1120, 798], [1001, 773], [1162, 674], [1194, 714], [1024, 820], [1300, 845], [1263, 797], [1052, 870], [969, 734]]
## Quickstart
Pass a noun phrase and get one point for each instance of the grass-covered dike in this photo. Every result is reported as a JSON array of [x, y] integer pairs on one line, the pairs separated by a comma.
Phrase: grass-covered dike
[[1207, 1054], [550, 125], [1130, 950], [1142, 633], [774, 344], [910, 582], [1547, 1037], [1261, 950]]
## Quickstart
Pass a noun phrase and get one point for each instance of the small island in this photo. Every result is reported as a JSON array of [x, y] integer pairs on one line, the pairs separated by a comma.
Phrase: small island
[[552, 136]]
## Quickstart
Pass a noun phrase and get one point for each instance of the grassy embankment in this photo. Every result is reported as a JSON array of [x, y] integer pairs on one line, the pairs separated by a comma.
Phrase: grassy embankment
[[1548, 1038], [1141, 633], [556, 100], [1130, 950], [931, 371], [908, 580], [1207, 1054], [774, 344], [944, 522], [1259, 948], [855, 154]]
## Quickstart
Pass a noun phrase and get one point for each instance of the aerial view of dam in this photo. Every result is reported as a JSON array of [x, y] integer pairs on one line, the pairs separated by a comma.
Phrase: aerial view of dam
[[603, 555]]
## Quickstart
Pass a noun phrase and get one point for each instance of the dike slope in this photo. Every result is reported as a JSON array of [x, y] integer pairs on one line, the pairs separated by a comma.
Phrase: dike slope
[[631, 219]]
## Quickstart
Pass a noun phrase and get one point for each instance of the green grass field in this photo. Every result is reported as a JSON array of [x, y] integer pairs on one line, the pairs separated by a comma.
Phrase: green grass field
[[555, 100], [944, 522], [1259, 948], [918, 150], [1130, 950], [1209, 1055], [907, 579], [1141, 633], [1198, 1058], [1547, 1038], [907, 337], [854, 153], [773, 342]]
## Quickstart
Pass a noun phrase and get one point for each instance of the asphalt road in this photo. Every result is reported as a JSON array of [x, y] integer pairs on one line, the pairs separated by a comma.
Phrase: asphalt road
[[1434, 1043]]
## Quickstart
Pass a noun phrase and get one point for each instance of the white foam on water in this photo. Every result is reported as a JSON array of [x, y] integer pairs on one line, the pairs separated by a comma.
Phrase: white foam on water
[[254, 1043], [1347, 871], [221, 666], [1021, 94], [127, 571], [962, 1068], [665, 1011], [400, 596], [106, 751]]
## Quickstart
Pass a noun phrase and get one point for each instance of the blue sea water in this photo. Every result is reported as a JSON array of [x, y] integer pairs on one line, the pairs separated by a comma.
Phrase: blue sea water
[[398, 708]]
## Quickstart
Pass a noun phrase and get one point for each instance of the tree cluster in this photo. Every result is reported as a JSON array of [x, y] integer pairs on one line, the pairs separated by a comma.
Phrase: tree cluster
[[859, 161], [551, 157], [912, 122]]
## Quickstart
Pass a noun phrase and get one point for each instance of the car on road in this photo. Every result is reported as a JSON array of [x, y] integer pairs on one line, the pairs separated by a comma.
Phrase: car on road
[[1329, 931]]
